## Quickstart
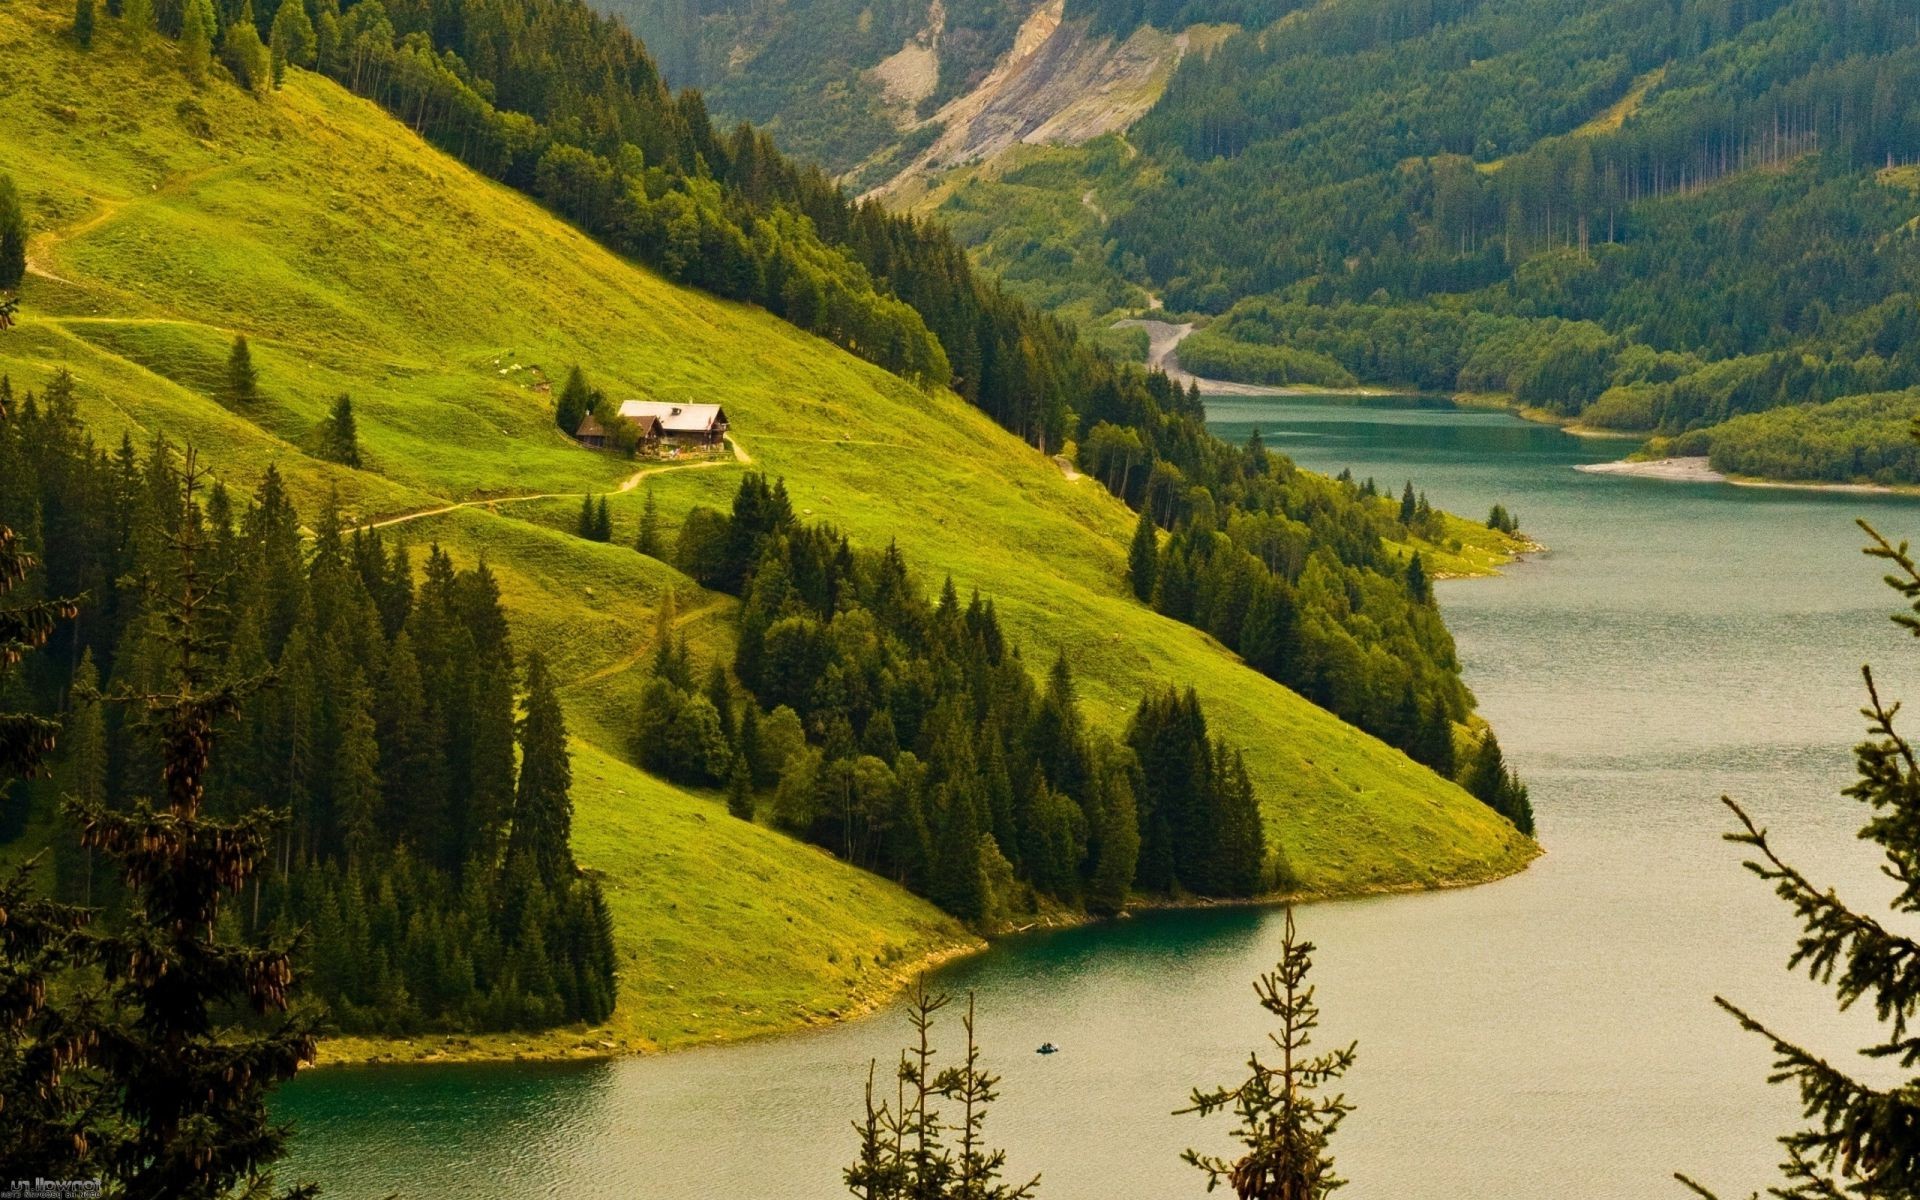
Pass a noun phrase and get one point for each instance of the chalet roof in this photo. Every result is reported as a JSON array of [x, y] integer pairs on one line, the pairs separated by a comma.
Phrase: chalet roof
[[676, 418], [590, 427]]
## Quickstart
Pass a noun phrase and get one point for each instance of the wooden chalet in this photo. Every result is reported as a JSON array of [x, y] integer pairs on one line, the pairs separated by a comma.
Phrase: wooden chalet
[[689, 426], [593, 433]]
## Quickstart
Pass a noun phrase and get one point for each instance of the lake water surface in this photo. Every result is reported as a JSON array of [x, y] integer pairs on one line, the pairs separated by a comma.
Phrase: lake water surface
[[1549, 1035]]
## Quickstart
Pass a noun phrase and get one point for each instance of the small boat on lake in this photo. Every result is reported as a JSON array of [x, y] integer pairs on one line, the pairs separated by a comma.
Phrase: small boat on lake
[[1047, 1048]]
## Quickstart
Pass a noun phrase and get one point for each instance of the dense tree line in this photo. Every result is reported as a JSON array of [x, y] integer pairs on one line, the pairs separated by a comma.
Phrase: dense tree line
[[908, 736], [435, 877], [1861, 439], [128, 1056], [1355, 632]]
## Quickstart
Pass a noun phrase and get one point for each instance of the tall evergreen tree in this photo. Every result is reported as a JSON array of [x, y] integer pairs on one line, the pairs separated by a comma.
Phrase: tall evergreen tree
[[83, 23], [602, 522], [1862, 1137], [192, 1091], [1408, 507], [196, 38], [339, 433], [542, 802], [1143, 556], [291, 40], [244, 53], [1489, 778], [649, 540], [50, 1117], [1419, 587], [243, 381], [576, 401], [1284, 1125]]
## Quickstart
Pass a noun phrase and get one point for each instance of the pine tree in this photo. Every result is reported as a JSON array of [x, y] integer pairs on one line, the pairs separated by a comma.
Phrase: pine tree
[[740, 788], [340, 434], [1862, 1139], [904, 1149], [192, 1092], [49, 1121], [1284, 1126], [1499, 788], [1143, 556], [1418, 585], [602, 522], [196, 38], [243, 382], [85, 777], [244, 53], [13, 236], [291, 38], [542, 803], [648, 542], [1408, 508], [136, 17], [584, 527], [83, 23], [576, 401]]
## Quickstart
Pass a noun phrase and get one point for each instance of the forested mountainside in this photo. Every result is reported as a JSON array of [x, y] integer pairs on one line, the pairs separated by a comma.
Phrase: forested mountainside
[[357, 333], [1642, 215]]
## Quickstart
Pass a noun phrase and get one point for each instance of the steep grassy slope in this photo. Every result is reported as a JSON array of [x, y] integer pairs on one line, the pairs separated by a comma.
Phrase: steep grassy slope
[[358, 260]]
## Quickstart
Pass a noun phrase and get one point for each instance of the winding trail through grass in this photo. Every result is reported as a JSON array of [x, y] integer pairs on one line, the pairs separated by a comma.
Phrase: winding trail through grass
[[109, 208], [740, 457]]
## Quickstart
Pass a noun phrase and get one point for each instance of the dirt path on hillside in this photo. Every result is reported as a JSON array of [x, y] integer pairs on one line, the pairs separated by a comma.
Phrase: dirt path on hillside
[[1163, 345], [740, 457], [39, 246]]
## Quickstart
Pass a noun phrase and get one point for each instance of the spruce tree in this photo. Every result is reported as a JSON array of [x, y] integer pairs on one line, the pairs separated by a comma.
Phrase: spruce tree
[[1284, 1124], [1143, 556], [191, 1090], [13, 236], [1419, 587], [85, 775], [584, 526], [83, 23], [1408, 507], [740, 788], [340, 433], [291, 38], [649, 542], [602, 522], [576, 400], [48, 1118], [910, 1149], [1861, 1138], [542, 802], [196, 38], [243, 382], [1489, 778], [244, 53]]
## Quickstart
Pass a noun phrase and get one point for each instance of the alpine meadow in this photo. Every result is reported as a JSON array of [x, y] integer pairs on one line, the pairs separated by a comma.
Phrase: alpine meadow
[[792, 600]]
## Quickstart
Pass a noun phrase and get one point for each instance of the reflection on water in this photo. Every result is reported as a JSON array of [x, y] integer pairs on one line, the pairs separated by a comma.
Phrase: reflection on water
[[1549, 1035]]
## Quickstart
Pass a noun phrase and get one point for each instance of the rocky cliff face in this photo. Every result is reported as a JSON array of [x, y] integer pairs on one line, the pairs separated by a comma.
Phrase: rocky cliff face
[[1058, 85]]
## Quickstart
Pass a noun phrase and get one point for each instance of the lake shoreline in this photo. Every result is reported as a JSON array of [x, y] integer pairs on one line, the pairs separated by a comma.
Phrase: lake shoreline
[[573, 1044], [1696, 469]]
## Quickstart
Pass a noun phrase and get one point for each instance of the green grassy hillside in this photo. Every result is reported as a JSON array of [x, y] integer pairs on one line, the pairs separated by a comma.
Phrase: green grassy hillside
[[356, 259]]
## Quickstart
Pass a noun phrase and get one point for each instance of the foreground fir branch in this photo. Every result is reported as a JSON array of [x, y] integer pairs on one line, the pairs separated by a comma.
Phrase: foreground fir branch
[[191, 1088], [1859, 1140], [905, 1151], [1285, 1125]]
